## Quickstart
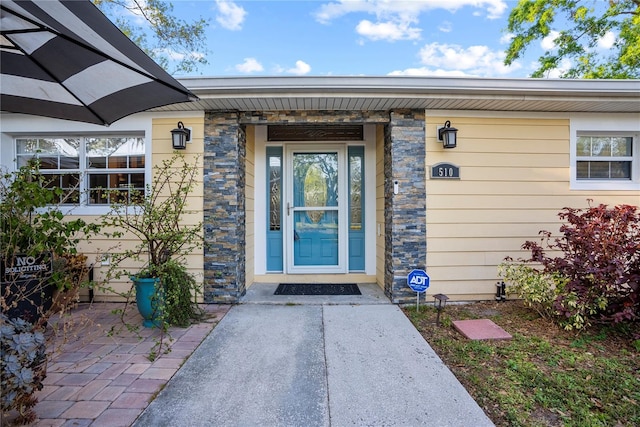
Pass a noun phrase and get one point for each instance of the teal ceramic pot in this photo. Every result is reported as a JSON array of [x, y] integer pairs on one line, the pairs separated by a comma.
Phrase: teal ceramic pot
[[147, 300]]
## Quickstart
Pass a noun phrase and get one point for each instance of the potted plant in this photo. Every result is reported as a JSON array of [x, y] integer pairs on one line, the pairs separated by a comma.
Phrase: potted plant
[[162, 286], [149, 297]]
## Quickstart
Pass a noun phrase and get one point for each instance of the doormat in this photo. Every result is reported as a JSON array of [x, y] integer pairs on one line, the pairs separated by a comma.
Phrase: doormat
[[317, 289]]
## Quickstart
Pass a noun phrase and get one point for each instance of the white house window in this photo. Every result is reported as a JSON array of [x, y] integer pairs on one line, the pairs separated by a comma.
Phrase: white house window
[[92, 171], [604, 157]]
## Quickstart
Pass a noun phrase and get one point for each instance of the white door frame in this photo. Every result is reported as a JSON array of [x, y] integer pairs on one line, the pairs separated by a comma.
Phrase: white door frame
[[343, 240]]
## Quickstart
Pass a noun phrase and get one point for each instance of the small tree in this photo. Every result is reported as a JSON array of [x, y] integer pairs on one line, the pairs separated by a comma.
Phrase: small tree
[[156, 220]]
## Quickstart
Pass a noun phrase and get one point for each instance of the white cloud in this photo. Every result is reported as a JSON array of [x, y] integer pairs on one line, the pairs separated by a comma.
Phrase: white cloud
[[556, 73], [549, 42], [250, 65], [133, 8], [455, 60], [424, 71], [170, 53], [607, 41], [300, 69], [506, 38], [390, 31], [174, 55], [405, 10], [445, 27], [230, 15]]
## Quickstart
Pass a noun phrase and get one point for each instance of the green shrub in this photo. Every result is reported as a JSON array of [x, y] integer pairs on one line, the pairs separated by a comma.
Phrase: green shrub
[[594, 275], [542, 290], [536, 288], [180, 294]]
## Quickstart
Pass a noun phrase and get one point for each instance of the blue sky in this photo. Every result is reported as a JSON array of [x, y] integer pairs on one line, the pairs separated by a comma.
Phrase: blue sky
[[358, 37]]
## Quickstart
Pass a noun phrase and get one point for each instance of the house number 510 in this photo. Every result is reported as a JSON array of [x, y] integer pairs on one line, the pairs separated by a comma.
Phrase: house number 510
[[445, 171]]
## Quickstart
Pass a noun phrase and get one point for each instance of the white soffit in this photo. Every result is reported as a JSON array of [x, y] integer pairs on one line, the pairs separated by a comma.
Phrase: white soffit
[[429, 93]]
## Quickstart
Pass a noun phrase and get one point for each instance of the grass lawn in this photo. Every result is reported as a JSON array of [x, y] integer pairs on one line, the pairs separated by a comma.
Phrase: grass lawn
[[544, 376]]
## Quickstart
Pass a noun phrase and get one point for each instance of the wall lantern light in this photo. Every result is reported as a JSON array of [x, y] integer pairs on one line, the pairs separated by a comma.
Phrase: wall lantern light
[[180, 136], [439, 301], [447, 135]]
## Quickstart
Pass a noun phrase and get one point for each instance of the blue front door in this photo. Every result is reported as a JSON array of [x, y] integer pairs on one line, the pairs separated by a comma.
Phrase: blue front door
[[315, 211]]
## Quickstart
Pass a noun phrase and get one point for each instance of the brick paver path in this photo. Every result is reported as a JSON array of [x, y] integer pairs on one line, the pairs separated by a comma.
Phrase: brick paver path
[[97, 378]]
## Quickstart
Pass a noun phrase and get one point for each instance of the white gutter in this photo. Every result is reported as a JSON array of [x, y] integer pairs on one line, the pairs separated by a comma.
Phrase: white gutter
[[416, 86]]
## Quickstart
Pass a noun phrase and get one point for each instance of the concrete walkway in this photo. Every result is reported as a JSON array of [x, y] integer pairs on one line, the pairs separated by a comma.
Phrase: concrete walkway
[[313, 361]]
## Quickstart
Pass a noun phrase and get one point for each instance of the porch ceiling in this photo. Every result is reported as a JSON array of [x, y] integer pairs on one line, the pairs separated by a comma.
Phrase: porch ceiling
[[429, 93]]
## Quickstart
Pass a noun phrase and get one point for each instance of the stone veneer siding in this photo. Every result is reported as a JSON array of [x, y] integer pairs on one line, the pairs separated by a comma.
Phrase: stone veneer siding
[[310, 117], [224, 208], [224, 199], [405, 212]]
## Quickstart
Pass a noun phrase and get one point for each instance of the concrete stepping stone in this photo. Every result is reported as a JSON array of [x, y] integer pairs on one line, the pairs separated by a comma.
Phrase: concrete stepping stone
[[481, 329]]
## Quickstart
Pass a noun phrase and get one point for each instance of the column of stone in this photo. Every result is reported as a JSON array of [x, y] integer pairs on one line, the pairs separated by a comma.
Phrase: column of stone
[[224, 208], [405, 212]]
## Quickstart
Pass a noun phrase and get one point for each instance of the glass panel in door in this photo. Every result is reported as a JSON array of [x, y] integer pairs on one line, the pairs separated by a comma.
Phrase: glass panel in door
[[315, 209]]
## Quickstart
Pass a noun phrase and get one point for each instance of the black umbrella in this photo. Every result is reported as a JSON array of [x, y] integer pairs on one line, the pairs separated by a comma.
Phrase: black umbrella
[[65, 59]]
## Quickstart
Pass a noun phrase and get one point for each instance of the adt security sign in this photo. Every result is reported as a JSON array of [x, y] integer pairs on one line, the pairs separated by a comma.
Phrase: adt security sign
[[418, 280]]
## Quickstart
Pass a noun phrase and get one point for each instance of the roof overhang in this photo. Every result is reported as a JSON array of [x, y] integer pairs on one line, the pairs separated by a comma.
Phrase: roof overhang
[[391, 92]]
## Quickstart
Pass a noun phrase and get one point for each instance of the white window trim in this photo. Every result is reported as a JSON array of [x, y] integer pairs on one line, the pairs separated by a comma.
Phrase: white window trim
[[22, 125], [608, 125], [83, 208]]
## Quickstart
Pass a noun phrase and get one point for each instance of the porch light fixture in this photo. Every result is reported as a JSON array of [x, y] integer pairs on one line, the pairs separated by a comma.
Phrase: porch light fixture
[[180, 136], [439, 302], [447, 135]]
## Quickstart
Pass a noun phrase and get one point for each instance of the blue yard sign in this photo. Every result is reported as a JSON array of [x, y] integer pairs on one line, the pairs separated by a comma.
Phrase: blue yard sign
[[418, 280]]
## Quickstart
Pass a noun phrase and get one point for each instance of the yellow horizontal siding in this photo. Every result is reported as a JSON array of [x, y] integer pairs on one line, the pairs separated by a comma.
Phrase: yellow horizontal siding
[[514, 180], [509, 160], [458, 273], [502, 127], [505, 146], [472, 244], [478, 188], [486, 230], [461, 259], [509, 168], [490, 216], [461, 290], [507, 201]]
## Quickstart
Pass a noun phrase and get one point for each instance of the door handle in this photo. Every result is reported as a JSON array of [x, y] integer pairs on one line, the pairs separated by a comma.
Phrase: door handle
[[288, 208], [296, 236]]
